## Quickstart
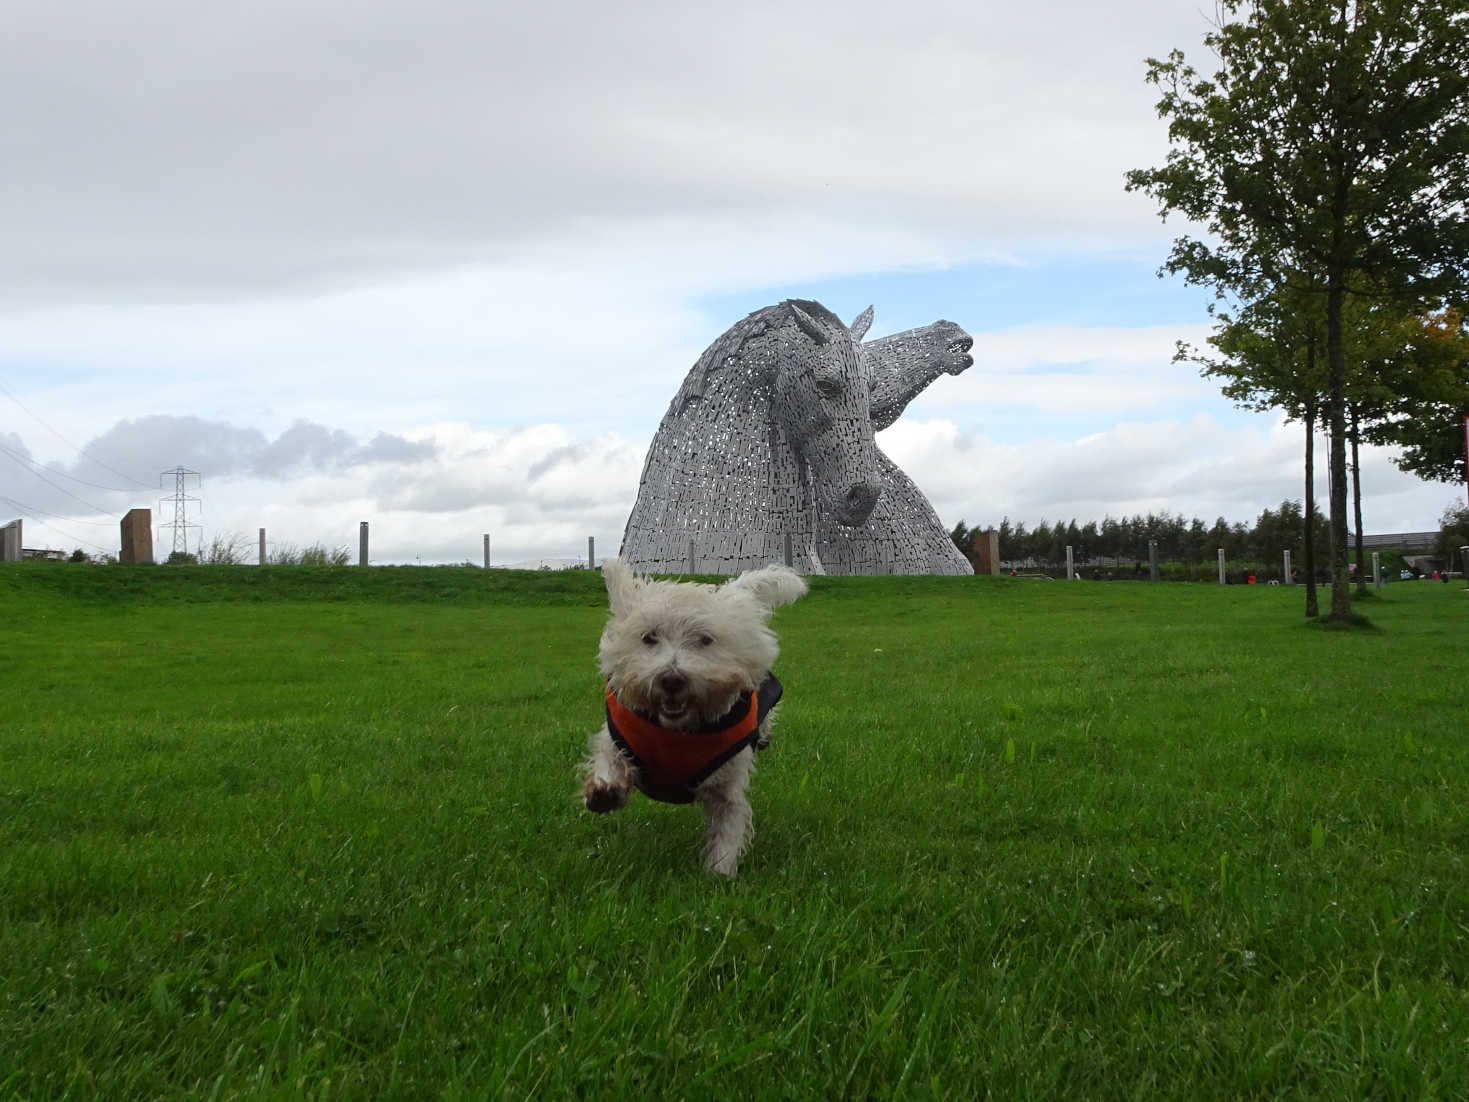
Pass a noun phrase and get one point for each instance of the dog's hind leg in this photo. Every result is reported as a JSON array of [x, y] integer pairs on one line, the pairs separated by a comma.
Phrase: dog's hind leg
[[608, 775], [728, 820]]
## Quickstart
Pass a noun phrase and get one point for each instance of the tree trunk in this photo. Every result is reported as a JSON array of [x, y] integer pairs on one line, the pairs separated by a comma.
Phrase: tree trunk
[[1313, 607], [1357, 504], [1336, 427], [1340, 170]]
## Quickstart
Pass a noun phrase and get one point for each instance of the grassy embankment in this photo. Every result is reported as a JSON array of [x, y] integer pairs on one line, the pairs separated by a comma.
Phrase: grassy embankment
[[314, 833]]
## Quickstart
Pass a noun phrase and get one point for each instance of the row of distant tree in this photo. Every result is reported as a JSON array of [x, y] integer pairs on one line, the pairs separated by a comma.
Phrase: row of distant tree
[[1183, 540], [1178, 539]]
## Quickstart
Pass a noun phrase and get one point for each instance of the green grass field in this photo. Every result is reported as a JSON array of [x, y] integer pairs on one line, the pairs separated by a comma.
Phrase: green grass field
[[315, 833]]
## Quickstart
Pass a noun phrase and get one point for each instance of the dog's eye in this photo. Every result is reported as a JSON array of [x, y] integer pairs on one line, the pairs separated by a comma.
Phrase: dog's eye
[[704, 640], [650, 638]]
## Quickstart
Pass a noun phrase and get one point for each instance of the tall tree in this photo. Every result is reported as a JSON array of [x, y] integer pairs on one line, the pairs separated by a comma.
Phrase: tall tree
[[961, 534], [1334, 140], [1269, 353]]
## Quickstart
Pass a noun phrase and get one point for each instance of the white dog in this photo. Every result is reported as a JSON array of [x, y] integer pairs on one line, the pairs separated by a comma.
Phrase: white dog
[[689, 697]]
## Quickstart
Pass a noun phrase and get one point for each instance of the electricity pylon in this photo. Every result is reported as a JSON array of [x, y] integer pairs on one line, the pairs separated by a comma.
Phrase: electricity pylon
[[181, 525]]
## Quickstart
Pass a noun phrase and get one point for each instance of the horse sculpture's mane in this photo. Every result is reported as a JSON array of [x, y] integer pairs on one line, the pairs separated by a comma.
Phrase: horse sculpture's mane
[[729, 349]]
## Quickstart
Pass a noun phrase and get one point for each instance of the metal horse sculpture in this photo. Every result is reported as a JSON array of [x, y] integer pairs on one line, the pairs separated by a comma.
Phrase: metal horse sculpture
[[769, 444]]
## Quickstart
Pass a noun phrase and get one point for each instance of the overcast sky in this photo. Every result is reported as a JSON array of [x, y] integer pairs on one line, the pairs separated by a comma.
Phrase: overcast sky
[[442, 266]]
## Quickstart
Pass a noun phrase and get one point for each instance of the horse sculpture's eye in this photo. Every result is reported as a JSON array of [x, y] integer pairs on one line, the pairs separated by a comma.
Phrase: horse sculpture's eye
[[829, 388], [650, 638]]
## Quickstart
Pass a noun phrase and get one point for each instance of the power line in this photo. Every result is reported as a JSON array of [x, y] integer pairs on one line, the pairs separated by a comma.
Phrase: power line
[[24, 508], [79, 449], [36, 467], [33, 470]]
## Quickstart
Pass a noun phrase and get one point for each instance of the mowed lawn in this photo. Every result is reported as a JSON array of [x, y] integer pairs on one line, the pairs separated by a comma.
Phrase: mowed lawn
[[315, 833]]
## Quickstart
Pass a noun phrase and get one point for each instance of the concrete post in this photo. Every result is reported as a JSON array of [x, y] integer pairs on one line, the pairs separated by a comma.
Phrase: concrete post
[[362, 544], [1287, 577], [487, 550], [1377, 569], [1152, 560], [1221, 566], [262, 547], [591, 552], [790, 556], [1464, 558], [11, 541], [1070, 564], [691, 556]]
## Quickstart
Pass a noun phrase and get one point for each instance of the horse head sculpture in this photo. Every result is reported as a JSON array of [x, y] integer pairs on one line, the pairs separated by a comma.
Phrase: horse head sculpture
[[768, 449]]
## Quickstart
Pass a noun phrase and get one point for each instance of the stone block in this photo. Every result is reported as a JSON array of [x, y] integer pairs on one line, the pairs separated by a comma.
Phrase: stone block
[[986, 551], [137, 537]]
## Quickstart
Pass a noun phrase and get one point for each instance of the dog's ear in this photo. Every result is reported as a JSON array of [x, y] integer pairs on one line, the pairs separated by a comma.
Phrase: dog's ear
[[772, 586], [622, 584]]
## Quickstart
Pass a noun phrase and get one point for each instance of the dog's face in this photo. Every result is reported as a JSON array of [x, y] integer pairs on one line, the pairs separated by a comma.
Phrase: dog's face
[[683, 652]]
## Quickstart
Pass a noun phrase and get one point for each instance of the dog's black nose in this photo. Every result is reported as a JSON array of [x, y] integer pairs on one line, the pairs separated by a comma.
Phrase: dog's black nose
[[672, 683]]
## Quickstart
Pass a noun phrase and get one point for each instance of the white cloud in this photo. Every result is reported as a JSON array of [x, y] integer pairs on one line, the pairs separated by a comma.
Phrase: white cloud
[[1059, 369], [203, 152], [1198, 467], [537, 490], [540, 491]]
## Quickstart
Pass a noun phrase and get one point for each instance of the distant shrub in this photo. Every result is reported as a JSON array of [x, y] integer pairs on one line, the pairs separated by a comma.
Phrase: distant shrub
[[225, 549], [313, 555], [317, 555]]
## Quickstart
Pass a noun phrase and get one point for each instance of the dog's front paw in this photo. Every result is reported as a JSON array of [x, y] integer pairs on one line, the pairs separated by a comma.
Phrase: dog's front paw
[[728, 866], [602, 797]]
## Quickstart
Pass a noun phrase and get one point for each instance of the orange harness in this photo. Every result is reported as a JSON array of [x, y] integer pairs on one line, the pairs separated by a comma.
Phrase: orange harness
[[671, 764]]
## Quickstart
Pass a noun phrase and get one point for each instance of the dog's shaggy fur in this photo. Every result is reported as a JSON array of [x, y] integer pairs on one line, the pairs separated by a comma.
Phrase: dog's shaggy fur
[[680, 654]]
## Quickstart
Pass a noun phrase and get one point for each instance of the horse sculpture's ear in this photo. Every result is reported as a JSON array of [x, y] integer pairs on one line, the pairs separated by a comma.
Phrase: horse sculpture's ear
[[622, 584], [808, 325], [860, 324]]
